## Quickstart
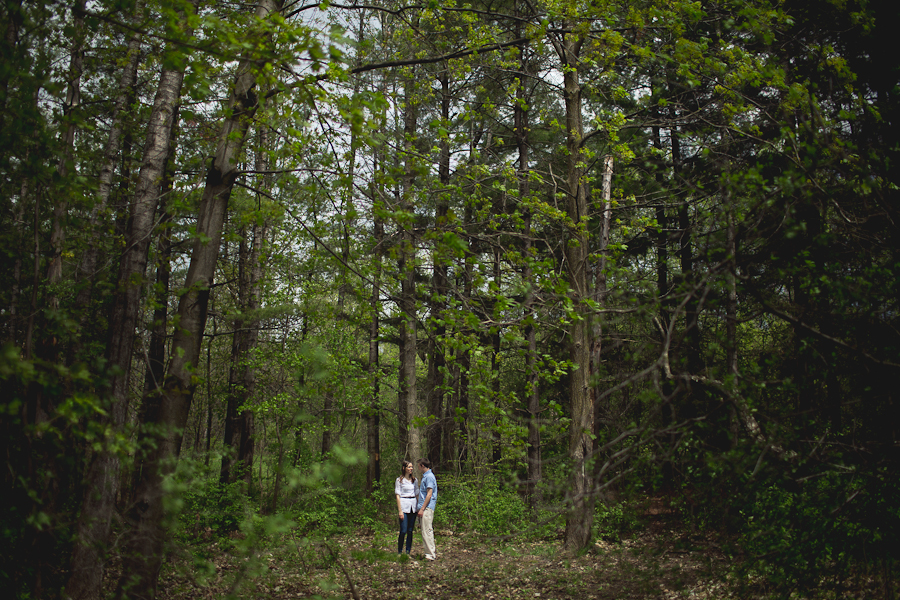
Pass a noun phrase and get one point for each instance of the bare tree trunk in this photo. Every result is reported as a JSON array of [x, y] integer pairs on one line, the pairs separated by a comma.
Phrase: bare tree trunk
[[600, 294], [102, 478], [581, 514], [10, 49], [88, 263], [13, 322], [740, 408], [686, 258], [373, 414], [237, 461], [465, 360], [14, 19], [231, 469], [156, 351], [496, 445], [532, 381], [327, 422], [144, 548], [61, 207], [407, 271], [437, 362], [35, 276], [662, 290]]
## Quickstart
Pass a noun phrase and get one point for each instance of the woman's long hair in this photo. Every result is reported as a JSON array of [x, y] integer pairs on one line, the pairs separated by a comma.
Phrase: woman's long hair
[[403, 466]]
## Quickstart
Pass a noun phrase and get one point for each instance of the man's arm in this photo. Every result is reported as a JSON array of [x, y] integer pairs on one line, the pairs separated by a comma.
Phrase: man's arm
[[427, 500]]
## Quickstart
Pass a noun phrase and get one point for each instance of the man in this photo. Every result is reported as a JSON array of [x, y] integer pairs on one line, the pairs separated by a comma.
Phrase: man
[[425, 506]]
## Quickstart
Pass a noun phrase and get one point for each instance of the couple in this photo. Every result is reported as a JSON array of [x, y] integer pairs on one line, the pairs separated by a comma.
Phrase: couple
[[410, 505]]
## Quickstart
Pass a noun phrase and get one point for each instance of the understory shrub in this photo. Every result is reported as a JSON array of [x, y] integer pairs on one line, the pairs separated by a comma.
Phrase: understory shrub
[[211, 509], [612, 520], [831, 526], [485, 508], [327, 510]]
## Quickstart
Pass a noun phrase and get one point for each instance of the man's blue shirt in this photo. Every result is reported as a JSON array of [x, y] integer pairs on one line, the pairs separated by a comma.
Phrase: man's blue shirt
[[428, 481]]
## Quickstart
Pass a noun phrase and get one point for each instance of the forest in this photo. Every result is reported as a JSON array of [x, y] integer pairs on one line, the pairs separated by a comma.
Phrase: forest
[[612, 266]]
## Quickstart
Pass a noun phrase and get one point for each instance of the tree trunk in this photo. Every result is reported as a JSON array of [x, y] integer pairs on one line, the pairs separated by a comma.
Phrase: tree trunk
[[237, 460], [579, 496], [61, 207], [373, 413], [662, 291], [496, 438], [88, 263], [144, 548], [102, 476], [600, 294], [437, 452], [410, 432], [532, 382]]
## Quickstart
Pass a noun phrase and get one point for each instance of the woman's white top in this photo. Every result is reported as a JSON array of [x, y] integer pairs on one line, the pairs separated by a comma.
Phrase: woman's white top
[[407, 491]]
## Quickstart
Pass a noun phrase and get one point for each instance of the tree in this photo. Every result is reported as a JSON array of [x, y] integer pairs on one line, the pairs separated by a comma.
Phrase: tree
[[144, 550]]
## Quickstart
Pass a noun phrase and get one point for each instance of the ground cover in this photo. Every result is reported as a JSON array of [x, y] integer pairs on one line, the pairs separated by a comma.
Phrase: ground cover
[[654, 562]]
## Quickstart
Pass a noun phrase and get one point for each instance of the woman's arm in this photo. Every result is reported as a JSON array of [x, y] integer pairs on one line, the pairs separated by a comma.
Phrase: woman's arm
[[397, 490], [399, 507]]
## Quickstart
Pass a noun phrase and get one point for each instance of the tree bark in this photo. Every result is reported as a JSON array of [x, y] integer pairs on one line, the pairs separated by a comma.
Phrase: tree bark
[[88, 263], [102, 478], [144, 548], [579, 497], [61, 207], [410, 432], [237, 461], [496, 395], [437, 363], [532, 380], [373, 413]]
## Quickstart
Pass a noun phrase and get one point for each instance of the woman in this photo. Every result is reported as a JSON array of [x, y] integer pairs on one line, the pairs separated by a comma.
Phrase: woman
[[405, 491]]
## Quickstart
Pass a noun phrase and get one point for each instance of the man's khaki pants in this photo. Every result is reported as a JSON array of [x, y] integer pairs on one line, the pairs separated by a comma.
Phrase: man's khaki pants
[[428, 532]]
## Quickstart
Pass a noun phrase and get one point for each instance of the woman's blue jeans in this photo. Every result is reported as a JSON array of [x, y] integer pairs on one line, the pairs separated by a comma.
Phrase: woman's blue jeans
[[407, 523]]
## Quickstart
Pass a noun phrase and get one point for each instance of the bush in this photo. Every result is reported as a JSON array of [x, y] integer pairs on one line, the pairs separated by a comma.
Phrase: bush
[[831, 525], [210, 508], [484, 508], [615, 519], [326, 510]]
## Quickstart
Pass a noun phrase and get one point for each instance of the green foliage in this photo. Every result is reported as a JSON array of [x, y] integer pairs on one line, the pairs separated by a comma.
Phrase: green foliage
[[211, 508], [794, 533], [489, 508], [614, 520]]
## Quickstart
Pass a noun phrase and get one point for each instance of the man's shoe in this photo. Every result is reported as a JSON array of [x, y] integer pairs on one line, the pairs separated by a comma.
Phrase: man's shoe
[[430, 557]]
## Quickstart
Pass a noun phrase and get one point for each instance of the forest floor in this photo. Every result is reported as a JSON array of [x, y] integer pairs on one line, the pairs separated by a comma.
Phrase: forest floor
[[657, 562]]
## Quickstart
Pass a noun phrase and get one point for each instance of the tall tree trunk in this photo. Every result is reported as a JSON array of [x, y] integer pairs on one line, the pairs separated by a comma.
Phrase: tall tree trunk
[[693, 361], [88, 263], [144, 548], [102, 478], [327, 422], [437, 452], [465, 358], [662, 291], [496, 438], [532, 374], [581, 514], [237, 461], [66, 163], [10, 49], [12, 23], [156, 349], [13, 311], [407, 273], [532, 381], [600, 295], [373, 413]]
